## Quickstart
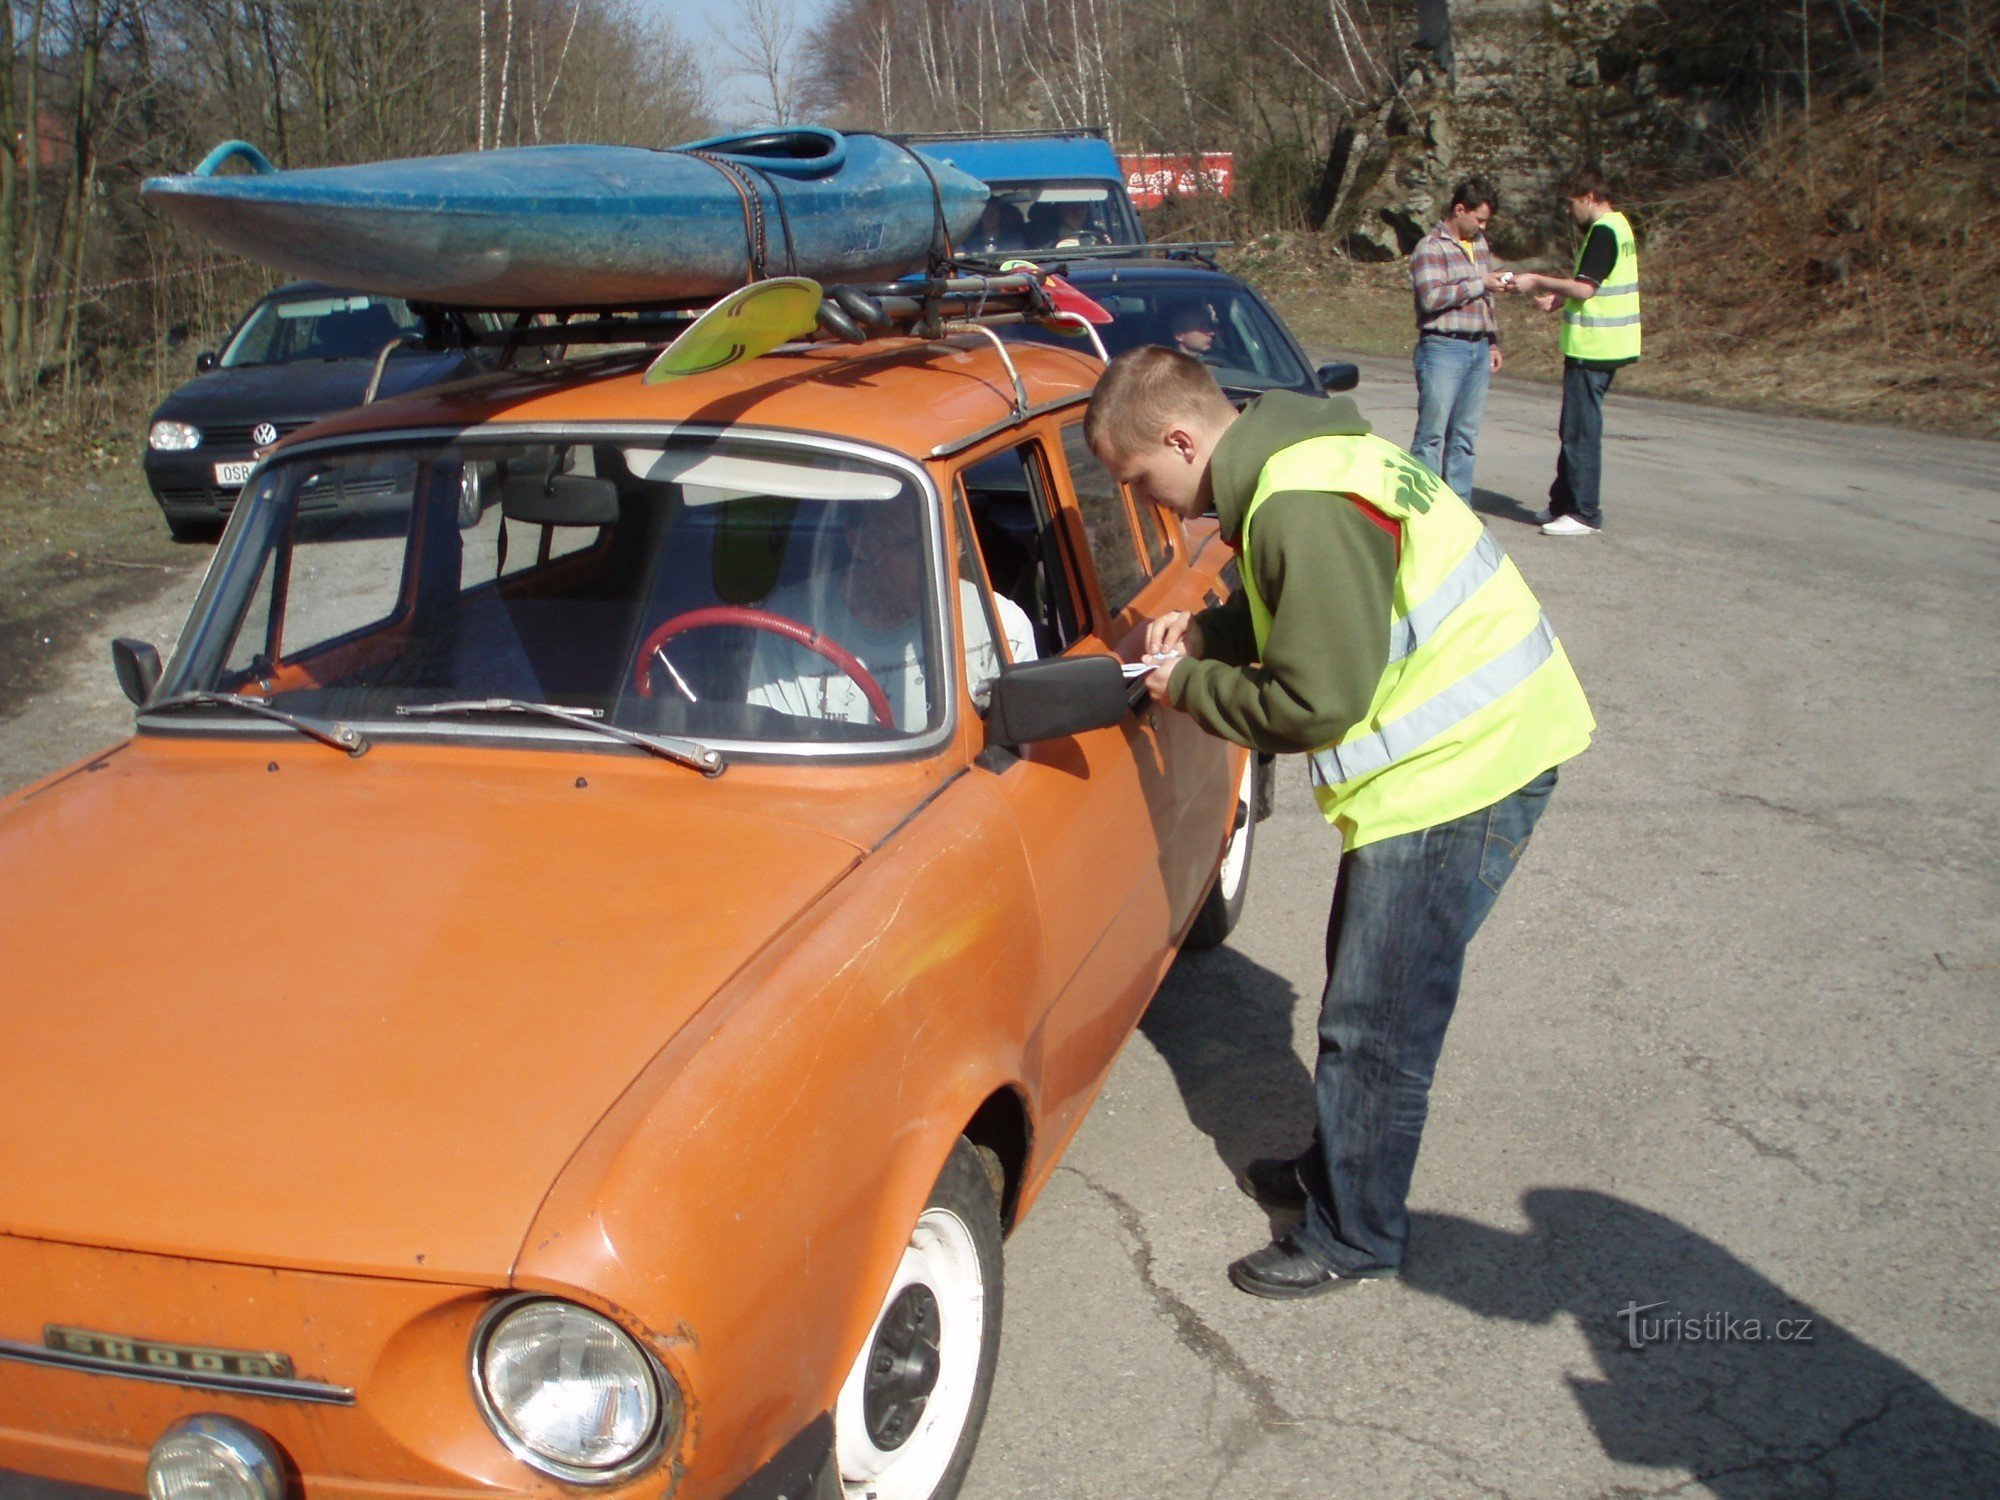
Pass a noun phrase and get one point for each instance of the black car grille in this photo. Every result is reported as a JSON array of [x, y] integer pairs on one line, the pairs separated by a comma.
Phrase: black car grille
[[236, 435]]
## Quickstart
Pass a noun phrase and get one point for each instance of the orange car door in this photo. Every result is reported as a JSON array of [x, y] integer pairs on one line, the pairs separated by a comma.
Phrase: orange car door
[[1185, 772], [1078, 802]]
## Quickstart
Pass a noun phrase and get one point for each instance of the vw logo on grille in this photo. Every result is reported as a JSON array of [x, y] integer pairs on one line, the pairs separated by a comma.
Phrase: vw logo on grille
[[264, 434]]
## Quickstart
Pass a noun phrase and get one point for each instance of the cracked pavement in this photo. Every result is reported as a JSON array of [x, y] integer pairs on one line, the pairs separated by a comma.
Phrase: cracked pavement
[[1727, 1042]]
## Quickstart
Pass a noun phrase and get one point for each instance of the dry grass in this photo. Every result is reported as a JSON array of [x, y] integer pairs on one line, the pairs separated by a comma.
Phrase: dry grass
[[1853, 274]]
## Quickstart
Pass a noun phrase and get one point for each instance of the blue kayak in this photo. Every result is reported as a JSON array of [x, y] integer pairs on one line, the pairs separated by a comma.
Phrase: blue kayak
[[584, 226]]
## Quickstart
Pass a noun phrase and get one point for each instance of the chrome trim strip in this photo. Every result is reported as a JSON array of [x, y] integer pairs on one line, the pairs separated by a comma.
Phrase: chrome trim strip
[[911, 747], [314, 1391], [1013, 419]]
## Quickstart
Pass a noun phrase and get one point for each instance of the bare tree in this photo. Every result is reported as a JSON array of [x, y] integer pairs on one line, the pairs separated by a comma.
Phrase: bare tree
[[763, 48]]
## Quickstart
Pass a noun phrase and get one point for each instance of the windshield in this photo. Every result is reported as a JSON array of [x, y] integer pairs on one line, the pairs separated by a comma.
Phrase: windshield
[[1218, 323], [1052, 215], [716, 589], [328, 326]]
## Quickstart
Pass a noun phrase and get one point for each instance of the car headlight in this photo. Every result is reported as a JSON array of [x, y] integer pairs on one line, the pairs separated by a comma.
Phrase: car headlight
[[173, 437], [570, 1393]]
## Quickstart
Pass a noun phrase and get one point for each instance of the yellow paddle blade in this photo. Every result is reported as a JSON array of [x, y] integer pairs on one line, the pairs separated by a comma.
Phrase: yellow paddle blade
[[750, 321]]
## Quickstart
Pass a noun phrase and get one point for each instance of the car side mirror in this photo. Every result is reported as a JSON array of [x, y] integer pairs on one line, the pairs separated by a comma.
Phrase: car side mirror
[[1339, 377], [1050, 700], [204, 362], [138, 666]]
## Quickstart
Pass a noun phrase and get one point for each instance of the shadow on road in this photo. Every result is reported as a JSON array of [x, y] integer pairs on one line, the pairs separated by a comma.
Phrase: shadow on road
[[1505, 507], [1750, 1417], [1223, 1025], [1818, 1414]]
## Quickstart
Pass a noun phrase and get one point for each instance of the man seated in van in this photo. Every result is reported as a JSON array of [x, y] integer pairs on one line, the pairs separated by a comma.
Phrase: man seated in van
[[1000, 228], [872, 606]]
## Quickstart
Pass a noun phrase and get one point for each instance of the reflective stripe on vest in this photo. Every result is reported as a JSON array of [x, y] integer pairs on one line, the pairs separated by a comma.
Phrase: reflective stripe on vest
[[1405, 735], [1459, 585], [1606, 326]]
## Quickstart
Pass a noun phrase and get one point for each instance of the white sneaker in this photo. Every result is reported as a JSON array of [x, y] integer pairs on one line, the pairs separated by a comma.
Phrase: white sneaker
[[1568, 526]]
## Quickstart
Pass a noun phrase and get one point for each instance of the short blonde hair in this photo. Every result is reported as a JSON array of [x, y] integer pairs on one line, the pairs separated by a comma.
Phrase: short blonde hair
[[1145, 391]]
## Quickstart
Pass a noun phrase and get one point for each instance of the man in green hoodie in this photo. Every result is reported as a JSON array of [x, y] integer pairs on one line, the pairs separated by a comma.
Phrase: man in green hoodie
[[1381, 632]]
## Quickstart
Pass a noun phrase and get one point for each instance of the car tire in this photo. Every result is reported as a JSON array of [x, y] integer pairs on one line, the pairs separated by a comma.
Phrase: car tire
[[1223, 909], [193, 531], [473, 482], [910, 1410]]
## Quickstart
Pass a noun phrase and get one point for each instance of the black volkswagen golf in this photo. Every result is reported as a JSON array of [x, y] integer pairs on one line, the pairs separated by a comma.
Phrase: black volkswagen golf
[[301, 353], [1186, 303]]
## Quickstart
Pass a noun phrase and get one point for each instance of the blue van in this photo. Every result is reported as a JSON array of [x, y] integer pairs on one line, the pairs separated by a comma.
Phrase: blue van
[[1052, 190]]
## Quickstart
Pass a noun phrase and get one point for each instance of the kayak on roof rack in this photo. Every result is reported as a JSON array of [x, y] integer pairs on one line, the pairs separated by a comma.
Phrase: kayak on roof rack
[[587, 226]]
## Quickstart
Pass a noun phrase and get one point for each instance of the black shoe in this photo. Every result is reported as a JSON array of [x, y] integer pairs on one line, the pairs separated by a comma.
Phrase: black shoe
[[1274, 1182], [1284, 1270]]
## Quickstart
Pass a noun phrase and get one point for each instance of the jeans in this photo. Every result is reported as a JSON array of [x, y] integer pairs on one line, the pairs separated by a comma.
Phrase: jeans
[[1452, 375], [1404, 910], [1580, 464]]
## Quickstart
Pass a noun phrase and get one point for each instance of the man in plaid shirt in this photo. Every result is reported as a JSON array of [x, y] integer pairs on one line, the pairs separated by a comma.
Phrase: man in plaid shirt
[[1458, 338]]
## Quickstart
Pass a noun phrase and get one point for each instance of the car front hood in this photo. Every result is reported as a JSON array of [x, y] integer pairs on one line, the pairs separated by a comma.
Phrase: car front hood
[[302, 389], [354, 1015]]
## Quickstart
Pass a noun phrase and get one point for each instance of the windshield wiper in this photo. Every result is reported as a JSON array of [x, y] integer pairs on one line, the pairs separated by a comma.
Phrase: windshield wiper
[[686, 752], [327, 732]]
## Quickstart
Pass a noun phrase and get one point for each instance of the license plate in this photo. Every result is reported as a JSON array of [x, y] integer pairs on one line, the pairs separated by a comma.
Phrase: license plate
[[234, 474]]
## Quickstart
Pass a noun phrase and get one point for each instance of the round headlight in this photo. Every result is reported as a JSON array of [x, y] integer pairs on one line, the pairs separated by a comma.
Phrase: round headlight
[[173, 437], [213, 1458], [570, 1393]]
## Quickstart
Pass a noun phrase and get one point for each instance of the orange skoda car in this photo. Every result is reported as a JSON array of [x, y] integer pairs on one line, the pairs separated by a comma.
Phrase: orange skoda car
[[612, 910]]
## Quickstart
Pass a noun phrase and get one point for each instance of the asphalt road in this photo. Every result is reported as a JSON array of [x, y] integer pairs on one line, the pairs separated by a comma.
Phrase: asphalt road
[[1727, 1044]]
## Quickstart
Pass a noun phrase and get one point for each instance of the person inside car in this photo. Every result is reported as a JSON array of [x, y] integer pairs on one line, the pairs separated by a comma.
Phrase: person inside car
[[1191, 326], [872, 607], [1000, 228]]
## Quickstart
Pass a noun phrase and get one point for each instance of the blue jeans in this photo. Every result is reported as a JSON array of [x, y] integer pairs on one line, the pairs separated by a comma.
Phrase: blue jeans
[[1580, 464], [1452, 375], [1404, 910]]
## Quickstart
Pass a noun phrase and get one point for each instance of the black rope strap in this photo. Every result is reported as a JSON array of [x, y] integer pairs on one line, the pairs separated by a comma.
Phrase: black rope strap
[[942, 254], [753, 208]]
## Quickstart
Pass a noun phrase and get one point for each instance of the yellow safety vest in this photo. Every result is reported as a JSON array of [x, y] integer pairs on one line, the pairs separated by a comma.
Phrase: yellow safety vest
[[1606, 326], [1478, 697]]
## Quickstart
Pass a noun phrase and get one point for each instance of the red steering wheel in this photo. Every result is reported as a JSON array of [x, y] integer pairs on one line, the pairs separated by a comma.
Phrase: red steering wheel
[[763, 619]]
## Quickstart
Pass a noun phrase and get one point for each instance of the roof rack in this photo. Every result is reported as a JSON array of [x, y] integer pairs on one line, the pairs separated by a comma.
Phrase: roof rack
[[1061, 133], [924, 307], [1195, 250]]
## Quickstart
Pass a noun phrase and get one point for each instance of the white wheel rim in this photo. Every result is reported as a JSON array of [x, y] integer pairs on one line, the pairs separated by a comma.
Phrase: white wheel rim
[[941, 1255], [1236, 857]]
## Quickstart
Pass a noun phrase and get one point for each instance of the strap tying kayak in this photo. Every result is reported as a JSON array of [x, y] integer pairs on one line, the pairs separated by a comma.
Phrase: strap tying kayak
[[942, 254], [753, 207], [784, 219]]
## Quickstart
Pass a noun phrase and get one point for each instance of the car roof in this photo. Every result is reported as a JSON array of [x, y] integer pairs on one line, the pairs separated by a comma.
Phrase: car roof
[[907, 395], [1033, 157], [293, 289], [1104, 270]]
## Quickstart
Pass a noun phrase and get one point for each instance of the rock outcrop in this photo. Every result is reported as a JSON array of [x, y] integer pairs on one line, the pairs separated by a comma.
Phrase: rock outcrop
[[1516, 91]]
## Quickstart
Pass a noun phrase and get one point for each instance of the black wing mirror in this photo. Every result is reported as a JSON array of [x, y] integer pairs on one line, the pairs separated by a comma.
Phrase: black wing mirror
[[138, 666], [204, 362], [1050, 700], [1339, 377]]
